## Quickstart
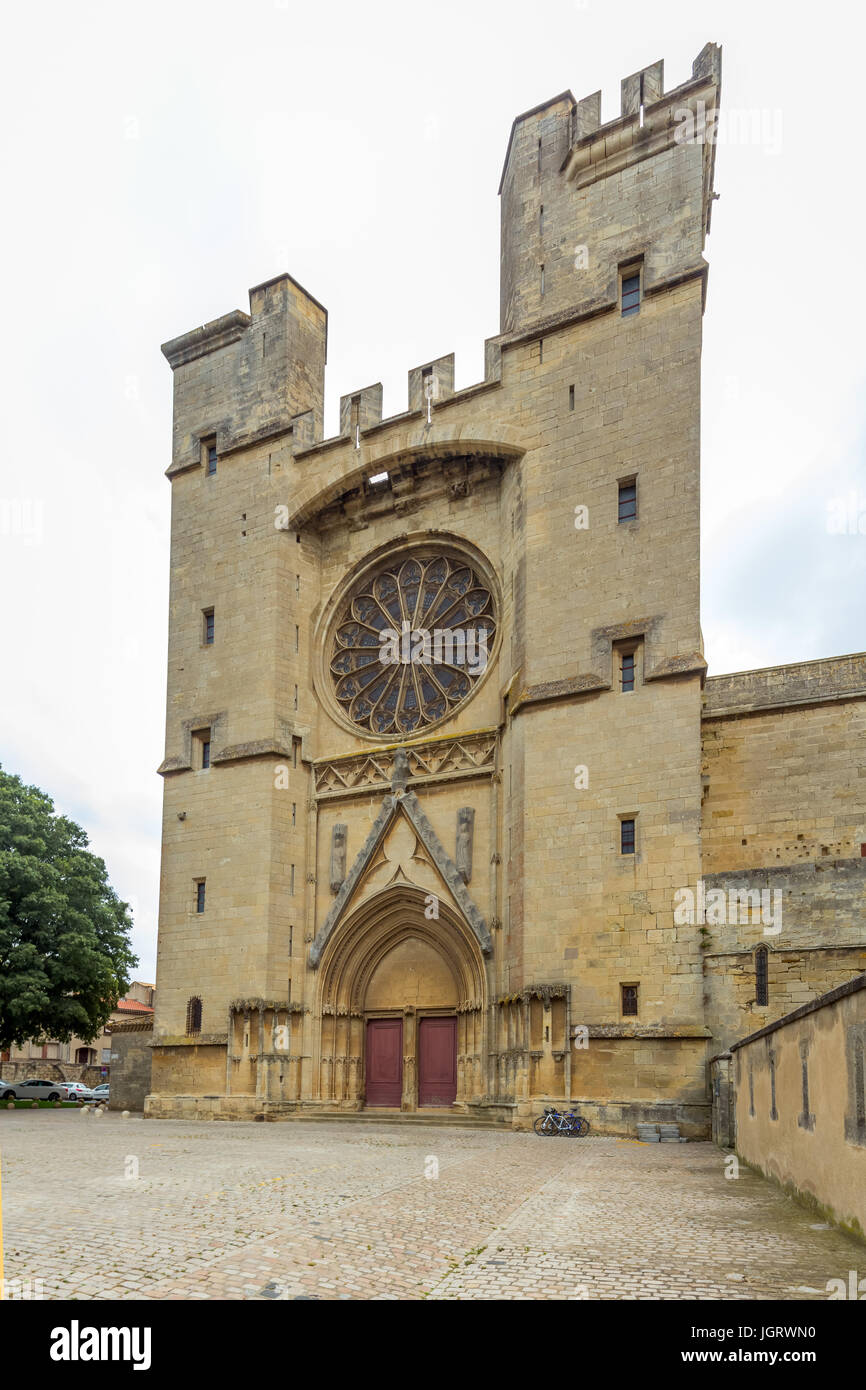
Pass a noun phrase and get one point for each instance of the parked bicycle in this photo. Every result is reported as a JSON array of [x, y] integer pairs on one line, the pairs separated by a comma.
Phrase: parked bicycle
[[553, 1122]]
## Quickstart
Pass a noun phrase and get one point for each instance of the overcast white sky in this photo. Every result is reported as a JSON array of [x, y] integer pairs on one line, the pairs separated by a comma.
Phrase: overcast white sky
[[159, 159]]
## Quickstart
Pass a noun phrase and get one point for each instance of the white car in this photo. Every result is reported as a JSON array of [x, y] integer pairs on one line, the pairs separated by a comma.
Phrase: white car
[[76, 1090], [35, 1089]]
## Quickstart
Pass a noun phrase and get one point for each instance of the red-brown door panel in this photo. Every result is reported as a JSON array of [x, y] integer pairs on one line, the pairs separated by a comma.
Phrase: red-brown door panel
[[384, 1062], [437, 1061]]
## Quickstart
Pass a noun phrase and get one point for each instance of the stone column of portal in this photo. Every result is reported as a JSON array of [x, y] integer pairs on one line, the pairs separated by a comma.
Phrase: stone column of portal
[[309, 1066], [261, 1065], [524, 1070], [409, 1099], [356, 1024], [460, 1098], [245, 1049]]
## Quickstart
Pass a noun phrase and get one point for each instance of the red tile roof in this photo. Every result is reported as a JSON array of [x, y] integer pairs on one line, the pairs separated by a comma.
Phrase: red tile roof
[[132, 1006]]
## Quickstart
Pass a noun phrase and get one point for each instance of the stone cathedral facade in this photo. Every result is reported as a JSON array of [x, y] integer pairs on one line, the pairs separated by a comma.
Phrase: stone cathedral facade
[[443, 763]]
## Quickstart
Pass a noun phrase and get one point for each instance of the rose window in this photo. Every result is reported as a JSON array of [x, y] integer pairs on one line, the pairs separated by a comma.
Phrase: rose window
[[411, 643]]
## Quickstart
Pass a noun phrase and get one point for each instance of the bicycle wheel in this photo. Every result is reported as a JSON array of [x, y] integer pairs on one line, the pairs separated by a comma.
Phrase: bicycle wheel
[[584, 1126], [539, 1124]]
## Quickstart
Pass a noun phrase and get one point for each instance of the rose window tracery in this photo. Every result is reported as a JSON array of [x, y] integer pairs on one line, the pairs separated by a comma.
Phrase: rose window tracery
[[411, 642]]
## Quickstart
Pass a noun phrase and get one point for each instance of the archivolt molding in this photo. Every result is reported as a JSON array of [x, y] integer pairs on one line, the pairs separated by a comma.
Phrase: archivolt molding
[[378, 925], [390, 452]]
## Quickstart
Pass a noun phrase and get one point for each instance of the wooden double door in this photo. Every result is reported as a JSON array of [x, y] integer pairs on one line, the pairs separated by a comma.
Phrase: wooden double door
[[437, 1061]]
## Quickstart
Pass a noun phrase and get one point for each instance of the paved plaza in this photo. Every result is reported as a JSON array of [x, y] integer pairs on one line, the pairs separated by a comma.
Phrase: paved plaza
[[109, 1207]]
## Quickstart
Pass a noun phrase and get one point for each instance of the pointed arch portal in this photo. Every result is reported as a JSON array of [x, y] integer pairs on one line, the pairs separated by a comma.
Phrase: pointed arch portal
[[402, 1005]]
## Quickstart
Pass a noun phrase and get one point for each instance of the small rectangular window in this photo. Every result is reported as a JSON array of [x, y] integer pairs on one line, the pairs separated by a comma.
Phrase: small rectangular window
[[209, 455], [208, 616], [297, 638], [630, 294], [571, 398], [201, 748], [629, 1000], [542, 279], [199, 895], [295, 743], [626, 671], [626, 836], [627, 500]]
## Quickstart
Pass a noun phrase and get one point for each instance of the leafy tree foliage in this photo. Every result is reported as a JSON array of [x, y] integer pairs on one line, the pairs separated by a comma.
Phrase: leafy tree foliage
[[65, 955]]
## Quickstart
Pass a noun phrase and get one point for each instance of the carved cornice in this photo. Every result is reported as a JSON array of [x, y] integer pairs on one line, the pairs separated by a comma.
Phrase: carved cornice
[[436, 760]]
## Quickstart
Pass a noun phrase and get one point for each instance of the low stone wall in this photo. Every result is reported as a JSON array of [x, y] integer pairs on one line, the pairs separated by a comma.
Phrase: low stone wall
[[45, 1070], [131, 1061], [801, 1103]]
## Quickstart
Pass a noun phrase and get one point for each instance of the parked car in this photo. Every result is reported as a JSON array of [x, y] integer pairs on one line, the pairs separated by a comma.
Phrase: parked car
[[7, 1090], [100, 1093], [76, 1090], [34, 1089]]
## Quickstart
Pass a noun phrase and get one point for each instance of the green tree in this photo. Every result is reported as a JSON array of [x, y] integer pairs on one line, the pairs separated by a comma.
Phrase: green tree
[[65, 955]]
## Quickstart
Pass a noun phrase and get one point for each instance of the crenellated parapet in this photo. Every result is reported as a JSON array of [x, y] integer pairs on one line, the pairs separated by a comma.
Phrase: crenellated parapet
[[582, 199]]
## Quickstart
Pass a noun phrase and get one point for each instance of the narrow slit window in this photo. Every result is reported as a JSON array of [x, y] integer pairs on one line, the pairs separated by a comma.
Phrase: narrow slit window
[[629, 1000], [292, 879], [762, 981], [627, 500], [630, 294], [210, 449], [297, 638], [200, 895], [626, 671], [571, 398], [626, 836], [209, 628], [542, 279]]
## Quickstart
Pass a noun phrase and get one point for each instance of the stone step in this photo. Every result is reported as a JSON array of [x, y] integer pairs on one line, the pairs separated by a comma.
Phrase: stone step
[[394, 1117]]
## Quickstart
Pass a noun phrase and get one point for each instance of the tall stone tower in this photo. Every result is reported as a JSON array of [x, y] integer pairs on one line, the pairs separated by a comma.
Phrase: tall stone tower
[[419, 884]]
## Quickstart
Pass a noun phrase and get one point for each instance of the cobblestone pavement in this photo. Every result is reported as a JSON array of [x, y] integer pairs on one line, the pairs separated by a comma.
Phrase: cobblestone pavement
[[112, 1208]]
